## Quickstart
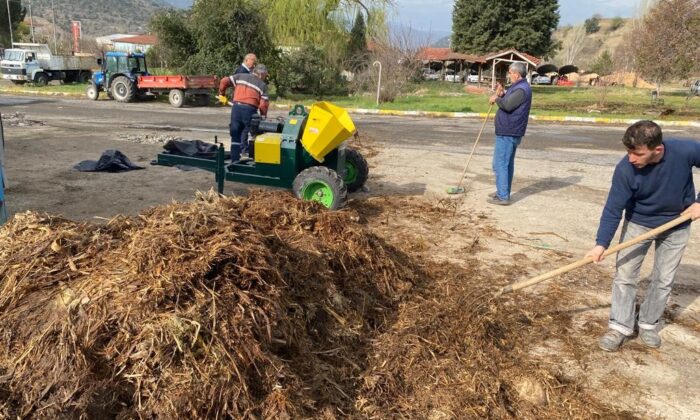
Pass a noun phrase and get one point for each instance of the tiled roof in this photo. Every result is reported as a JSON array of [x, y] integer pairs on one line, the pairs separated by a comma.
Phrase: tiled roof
[[532, 59], [444, 54], [138, 39]]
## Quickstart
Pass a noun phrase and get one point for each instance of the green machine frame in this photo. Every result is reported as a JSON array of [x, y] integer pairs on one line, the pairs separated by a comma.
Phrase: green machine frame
[[293, 159]]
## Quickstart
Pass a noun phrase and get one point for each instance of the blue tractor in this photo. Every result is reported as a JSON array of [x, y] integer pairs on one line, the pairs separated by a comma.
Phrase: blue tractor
[[118, 76]]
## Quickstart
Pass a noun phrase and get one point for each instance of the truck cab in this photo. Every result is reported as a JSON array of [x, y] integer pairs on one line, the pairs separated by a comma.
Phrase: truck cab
[[118, 76], [19, 65]]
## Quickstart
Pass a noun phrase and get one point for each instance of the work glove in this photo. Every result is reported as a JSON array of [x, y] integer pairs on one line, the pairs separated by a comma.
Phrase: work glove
[[223, 100]]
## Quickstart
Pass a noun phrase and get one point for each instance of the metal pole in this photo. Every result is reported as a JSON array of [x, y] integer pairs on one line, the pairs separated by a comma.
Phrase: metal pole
[[31, 22], [9, 21], [379, 82], [53, 16]]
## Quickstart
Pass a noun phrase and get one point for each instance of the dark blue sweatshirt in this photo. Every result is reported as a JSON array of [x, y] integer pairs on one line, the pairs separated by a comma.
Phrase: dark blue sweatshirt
[[653, 195]]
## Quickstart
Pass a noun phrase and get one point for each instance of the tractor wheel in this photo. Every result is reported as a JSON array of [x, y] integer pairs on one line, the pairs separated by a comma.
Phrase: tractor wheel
[[92, 91], [321, 184], [41, 79], [177, 98], [123, 89], [356, 170]]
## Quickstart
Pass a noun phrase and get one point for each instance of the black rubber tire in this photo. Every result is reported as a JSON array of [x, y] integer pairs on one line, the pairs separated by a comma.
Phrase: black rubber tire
[[202, 100], [355, 158], [326, 176], [84, 76], [41, 79], [123, 89], [176, 98], [92, 92]]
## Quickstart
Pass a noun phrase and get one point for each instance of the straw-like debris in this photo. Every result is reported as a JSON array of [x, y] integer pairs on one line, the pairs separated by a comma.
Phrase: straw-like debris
[[223, 307], [260, 307]]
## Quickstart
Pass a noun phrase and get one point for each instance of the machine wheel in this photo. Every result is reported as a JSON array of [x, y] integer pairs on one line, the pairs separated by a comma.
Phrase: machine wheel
[[356, 170], [92, 91], [321, 184], [41, 79], [84, 77], [177, 98], [123, 89]]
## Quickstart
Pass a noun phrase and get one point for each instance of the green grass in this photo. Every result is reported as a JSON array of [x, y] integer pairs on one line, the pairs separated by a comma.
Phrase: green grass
[[618, 102]]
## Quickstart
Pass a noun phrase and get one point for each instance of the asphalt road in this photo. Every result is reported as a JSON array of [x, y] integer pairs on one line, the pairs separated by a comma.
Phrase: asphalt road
[[433, 134]]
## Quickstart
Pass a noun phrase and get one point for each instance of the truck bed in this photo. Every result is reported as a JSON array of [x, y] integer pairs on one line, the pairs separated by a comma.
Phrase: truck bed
[[178, 82]]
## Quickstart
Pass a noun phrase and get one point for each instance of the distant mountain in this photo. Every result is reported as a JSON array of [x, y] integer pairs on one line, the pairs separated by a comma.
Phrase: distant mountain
[[444, 42], [182, 4], [416, 37], [100, 17]]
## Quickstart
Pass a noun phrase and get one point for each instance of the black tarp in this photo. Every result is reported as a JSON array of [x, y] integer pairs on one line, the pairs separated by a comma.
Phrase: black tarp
[[110, 161], [192, 148]]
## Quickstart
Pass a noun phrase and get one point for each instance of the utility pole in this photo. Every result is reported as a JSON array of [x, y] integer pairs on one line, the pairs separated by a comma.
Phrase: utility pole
[[31, 21], [53, 14], [9, 21]]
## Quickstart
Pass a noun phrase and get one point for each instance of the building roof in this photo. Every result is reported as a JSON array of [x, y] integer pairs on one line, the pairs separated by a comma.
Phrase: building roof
[[446, 54], [526, 57], [138, 39]]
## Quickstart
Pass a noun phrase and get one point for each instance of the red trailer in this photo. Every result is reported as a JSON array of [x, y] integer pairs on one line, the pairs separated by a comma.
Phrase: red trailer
[[180, 87]]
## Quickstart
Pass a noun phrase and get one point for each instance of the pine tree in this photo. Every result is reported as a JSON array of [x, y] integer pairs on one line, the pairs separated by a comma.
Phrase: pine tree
[[604, 64], [482, 26], [358, 40]]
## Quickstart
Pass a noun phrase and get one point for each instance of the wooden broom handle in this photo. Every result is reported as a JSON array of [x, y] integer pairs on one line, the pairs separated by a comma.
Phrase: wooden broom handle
[[464, 172], [527, 283]]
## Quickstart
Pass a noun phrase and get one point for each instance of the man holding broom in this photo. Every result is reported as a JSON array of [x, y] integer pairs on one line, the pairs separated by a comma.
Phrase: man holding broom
[[652, 185]]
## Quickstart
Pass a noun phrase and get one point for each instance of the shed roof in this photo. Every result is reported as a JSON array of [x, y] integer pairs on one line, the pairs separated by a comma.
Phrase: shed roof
[[138, 39]]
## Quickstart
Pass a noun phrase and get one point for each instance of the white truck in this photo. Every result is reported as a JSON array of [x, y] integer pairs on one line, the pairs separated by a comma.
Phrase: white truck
[[35, 63]]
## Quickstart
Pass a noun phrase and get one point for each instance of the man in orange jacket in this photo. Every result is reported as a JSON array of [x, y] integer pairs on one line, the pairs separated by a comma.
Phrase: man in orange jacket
[[249, 97]]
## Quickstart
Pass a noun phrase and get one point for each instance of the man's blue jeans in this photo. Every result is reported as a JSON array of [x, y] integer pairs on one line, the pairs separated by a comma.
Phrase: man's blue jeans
[[504, 164], [668, 248], [241, 115]]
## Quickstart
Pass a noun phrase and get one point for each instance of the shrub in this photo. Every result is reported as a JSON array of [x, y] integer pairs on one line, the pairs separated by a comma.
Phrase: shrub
[[308, 71]]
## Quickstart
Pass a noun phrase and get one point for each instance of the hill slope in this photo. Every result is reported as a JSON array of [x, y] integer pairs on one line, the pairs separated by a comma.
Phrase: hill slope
[[607, 38], [97, 17]]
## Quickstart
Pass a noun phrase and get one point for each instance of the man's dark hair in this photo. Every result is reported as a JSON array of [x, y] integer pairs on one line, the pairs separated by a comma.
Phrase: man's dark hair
[[642, 133]]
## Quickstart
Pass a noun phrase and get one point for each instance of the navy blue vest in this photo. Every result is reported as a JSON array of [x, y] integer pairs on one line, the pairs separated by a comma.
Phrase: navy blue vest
[[514, 124]]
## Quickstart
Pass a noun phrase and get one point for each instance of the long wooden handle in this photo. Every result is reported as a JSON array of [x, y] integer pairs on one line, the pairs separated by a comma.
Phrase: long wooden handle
[[464, 172], [663, 228]]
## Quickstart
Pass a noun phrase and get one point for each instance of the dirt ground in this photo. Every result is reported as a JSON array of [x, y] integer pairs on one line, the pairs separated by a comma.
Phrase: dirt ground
[[559, 190]]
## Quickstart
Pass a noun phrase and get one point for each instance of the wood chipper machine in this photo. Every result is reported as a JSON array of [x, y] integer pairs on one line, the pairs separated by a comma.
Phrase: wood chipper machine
[[305, 152]]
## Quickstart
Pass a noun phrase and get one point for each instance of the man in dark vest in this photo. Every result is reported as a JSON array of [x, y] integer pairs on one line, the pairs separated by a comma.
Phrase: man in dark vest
[[511, 123], [248, 64]]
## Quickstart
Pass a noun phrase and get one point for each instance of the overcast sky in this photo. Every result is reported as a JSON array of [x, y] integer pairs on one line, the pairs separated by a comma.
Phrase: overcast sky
[[436, 15]]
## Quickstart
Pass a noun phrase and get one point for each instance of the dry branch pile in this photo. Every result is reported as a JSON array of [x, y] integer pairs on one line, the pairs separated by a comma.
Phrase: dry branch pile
[[258, 306]]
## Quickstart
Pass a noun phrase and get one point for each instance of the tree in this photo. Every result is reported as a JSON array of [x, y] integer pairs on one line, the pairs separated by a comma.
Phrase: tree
[[482, 26], [17, 13], [213, 36], [666, 44], [572, 45], [592, 24], [604, 64], [357, 47]]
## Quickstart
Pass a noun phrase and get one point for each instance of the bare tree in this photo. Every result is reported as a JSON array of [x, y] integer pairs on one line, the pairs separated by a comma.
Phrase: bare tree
[[572, 45], [667, 42], [399, 63]]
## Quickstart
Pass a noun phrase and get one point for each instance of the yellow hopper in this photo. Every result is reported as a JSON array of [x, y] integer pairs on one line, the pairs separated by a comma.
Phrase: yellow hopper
[[327, 126]]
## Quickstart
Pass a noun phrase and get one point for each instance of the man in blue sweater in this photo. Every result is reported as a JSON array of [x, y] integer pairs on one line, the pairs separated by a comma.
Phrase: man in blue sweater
[[511, 123], [652, 186]]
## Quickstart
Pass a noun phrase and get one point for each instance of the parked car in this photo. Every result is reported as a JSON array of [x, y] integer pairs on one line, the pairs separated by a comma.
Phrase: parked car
[[451, 76], [539, 79], [564, 81], [430, 74], [473, 78], [694, 89]]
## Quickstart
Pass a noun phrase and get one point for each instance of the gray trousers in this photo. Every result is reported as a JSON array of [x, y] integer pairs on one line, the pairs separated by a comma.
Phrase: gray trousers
[[669, 247]]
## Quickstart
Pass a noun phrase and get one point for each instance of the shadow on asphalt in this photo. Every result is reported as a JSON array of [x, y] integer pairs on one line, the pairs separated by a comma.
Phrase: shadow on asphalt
[[547, 184]]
